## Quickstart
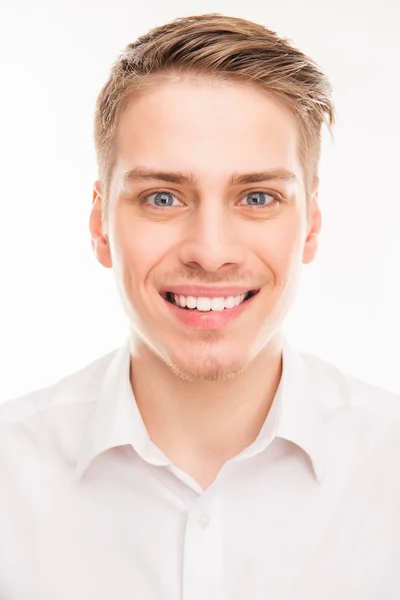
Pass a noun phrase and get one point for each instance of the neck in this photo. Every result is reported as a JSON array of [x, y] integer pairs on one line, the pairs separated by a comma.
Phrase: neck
[[213, 421]]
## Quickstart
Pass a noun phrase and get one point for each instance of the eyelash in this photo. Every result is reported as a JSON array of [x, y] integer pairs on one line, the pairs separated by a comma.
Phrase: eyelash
[[277, 199]]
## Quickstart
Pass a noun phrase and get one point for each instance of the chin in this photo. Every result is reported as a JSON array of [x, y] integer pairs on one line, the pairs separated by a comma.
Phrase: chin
[[207, 367]]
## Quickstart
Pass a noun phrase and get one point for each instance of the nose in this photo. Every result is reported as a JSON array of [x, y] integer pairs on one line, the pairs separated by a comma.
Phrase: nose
[[212, 239]]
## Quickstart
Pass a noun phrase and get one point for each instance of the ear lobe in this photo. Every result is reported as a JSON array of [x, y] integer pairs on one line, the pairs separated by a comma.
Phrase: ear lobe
[[100, 242], [314, 223]]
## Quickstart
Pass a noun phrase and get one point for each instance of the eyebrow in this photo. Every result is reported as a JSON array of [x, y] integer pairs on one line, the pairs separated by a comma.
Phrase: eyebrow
[[142, 173]]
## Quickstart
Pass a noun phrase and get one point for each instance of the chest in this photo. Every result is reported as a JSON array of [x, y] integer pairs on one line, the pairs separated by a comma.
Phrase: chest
[[251, 535]]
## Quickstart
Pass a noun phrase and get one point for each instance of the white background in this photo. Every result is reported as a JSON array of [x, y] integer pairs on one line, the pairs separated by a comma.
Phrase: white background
[[59, 308]]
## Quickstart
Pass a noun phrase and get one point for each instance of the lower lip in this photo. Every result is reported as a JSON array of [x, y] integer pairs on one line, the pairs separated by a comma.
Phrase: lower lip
[[209, 319]]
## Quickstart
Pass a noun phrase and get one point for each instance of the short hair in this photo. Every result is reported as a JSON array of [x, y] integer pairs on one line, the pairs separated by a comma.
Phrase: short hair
[[222, 48]]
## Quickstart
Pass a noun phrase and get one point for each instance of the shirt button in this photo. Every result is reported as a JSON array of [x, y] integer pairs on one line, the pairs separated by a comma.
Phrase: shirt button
[[205, 520]]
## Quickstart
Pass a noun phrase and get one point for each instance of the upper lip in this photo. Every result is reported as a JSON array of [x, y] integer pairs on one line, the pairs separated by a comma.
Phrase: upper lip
[[207, 292]]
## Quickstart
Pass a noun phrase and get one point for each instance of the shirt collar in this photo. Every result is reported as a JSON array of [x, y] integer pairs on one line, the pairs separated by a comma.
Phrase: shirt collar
[[295, 415], [116, 419], [301, 418]]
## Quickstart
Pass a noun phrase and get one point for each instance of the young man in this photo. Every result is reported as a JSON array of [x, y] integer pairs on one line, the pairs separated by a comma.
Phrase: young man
[[206, 458]]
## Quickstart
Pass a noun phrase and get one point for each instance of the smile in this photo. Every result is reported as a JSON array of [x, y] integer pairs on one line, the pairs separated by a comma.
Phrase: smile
[[205, 304]]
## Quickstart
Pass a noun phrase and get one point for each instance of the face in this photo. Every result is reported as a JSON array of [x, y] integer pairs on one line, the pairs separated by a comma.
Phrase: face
[[186, 220]]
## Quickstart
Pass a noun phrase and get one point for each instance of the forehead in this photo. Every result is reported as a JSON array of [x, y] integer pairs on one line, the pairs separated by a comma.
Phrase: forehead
[[208, 128]]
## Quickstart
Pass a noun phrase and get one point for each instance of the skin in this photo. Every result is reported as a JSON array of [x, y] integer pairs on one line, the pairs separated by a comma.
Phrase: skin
[[204, 395]]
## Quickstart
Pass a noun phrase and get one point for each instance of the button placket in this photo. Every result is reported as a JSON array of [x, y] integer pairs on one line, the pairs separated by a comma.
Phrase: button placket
[[202, 552], [205, 519]]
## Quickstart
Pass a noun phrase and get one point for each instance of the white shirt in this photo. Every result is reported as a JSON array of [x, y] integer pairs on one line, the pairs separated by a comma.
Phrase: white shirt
[[90, 508]]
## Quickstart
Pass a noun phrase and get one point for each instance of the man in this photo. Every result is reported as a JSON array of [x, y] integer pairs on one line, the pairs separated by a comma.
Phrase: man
[[205, 458]]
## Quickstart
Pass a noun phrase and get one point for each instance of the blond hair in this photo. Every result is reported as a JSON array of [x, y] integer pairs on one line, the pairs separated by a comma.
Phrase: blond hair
[[223, 48]]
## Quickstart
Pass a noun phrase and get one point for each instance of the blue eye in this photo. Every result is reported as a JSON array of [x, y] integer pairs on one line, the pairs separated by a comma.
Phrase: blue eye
[[162, 199], [260, 199]]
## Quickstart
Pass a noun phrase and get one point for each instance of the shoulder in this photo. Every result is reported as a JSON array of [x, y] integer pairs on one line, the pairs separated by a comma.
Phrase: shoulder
[[338, 389], [72, 390], [361, 422]]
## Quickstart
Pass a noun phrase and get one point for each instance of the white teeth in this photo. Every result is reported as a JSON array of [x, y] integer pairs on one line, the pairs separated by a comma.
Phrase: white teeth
[[206, 304], [191, 302], [203, 303], [232, 301], [217, 304]]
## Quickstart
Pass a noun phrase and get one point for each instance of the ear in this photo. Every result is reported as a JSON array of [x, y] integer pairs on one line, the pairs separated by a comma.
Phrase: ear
[[314, 222], [100, 242]]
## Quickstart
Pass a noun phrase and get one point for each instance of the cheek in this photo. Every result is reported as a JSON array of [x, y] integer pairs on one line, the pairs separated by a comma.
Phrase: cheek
[[280, 246], [136, 248]]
